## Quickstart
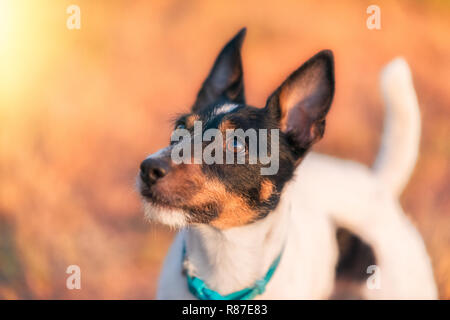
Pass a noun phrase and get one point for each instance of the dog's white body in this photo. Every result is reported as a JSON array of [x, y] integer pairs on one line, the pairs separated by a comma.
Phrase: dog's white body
[[325, 194]]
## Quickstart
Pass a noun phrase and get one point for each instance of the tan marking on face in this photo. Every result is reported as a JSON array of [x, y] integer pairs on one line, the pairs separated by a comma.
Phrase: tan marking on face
[[235, 211], [191, 119], [211, 191], [266, 190], [180, 183], [226, 124]]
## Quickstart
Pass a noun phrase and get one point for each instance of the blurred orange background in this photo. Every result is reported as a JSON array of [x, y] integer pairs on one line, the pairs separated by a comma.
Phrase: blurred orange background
[[79, 110]]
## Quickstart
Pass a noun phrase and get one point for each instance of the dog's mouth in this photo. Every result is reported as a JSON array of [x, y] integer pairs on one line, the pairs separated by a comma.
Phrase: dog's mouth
[[146, 193], [150, 194], [153, 197], [158, 208]]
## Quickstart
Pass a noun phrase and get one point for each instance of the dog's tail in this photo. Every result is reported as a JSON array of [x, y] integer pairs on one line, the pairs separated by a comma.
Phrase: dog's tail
[[401, 136]]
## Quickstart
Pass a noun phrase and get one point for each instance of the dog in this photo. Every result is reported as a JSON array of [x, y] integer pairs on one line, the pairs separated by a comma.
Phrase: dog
[[244, 235]]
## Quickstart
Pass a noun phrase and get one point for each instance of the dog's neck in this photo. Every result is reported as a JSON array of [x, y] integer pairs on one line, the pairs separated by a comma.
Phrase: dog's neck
[[233, 259]]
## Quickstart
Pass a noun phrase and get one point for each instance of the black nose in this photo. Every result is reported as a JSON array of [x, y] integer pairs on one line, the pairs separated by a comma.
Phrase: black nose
[[153, 169]]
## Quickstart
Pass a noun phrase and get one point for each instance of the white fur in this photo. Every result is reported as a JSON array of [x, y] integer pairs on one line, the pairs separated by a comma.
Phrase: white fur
[[226, 108], [158, 153], [325, 193], [401, 134], [171, 218]]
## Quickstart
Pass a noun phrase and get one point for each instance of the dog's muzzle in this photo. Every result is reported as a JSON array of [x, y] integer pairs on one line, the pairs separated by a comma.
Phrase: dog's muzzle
[[153, 169]]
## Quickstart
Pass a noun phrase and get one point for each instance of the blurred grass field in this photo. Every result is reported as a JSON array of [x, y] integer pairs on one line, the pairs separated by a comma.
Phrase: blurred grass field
[[79, 110]]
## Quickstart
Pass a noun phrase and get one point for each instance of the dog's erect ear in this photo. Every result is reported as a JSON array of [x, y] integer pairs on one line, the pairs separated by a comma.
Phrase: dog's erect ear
[[225, 81], [302, 101]]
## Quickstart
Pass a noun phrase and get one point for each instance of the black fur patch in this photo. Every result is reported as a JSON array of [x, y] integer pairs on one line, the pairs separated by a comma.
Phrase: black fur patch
[[354, 257]]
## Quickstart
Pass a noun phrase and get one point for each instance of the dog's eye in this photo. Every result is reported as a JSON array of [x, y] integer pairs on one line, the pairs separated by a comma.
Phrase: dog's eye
[[234, 145]]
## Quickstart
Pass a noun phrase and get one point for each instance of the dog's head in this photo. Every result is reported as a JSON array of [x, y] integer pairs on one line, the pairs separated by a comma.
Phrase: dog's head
[[224, 194]]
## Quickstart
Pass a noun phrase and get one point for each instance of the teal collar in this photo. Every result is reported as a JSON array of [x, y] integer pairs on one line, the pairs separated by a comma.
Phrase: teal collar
[[200, 290]]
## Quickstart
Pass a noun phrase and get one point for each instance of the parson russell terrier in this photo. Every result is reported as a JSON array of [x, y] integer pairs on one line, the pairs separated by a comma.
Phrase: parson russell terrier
[[319, 228]]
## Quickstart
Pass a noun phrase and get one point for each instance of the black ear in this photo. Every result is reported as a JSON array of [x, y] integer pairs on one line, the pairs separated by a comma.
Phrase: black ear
[[225, 81], [302, 101]]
